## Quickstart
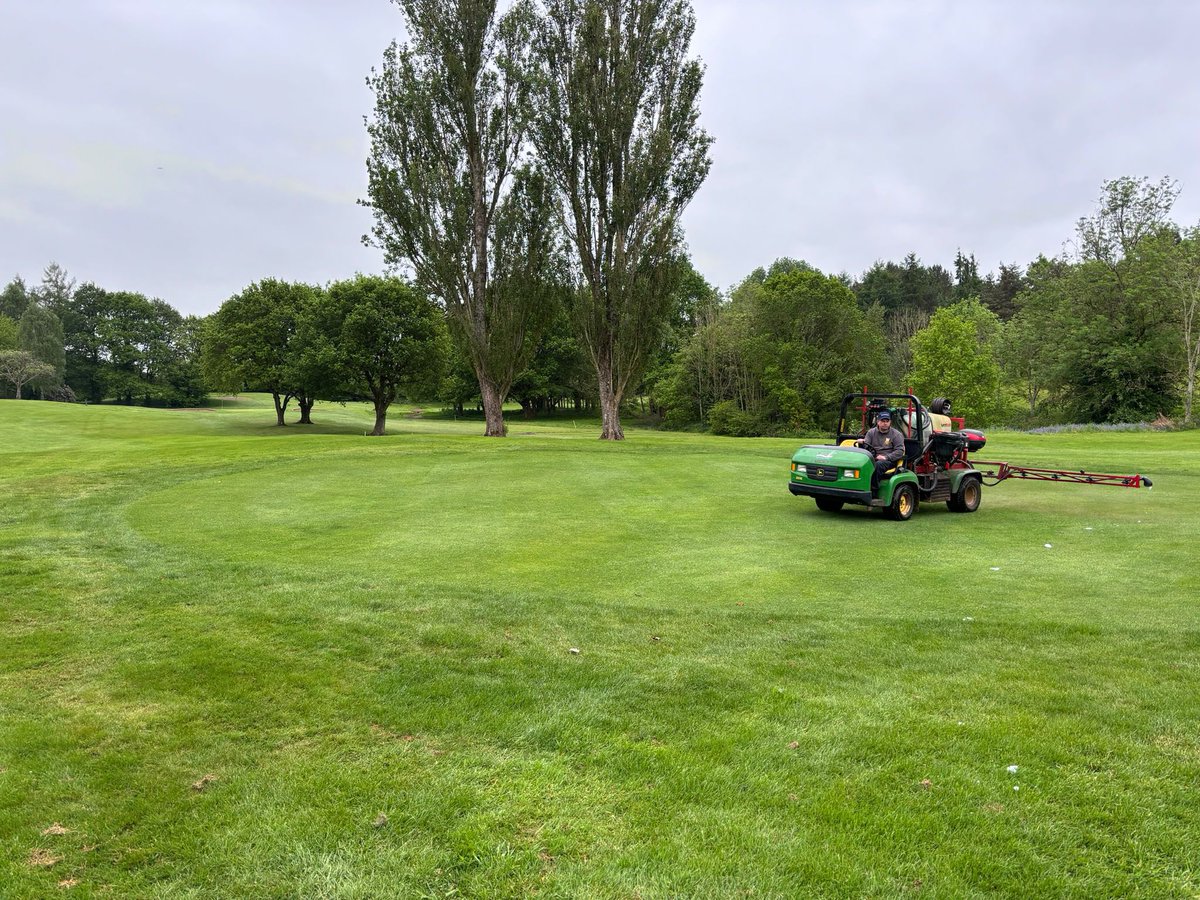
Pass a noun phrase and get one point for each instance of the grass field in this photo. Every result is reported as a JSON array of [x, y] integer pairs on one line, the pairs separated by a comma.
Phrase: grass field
[[244, 661]]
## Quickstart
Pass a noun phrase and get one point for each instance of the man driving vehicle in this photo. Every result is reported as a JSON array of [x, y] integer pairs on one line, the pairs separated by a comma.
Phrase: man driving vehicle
[[885, 444]]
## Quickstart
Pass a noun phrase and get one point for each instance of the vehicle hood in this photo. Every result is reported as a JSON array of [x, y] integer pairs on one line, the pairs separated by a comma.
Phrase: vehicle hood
[[830, 455]]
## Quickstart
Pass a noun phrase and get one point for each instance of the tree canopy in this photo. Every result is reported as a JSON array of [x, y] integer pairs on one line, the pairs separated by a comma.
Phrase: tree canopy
[[380, 336], [250, 342], [956, 356]]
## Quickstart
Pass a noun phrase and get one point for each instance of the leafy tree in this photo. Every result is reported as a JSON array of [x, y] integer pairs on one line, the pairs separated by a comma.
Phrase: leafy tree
[[14, 298], [41, 333], [777, 357], [125, 346], [617, 130], [249, 343], [1118, 351], [176, 367], [8, 333], [810, 341], [85, 358], [143, 345], [382, 335], [1168, 265], [1129, 210], [449, 192], [786, 265], [20, 367], [955, 356], [693, 301]]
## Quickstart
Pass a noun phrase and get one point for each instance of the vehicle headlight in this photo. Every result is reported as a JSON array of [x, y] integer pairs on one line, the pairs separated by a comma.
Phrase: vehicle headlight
[[850, 473]]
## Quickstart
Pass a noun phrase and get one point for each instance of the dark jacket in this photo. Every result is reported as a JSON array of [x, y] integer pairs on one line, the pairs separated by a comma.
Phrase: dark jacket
[[890, 444]]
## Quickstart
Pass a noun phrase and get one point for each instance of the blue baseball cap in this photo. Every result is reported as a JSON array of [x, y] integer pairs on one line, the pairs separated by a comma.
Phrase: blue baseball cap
[[884, 415]]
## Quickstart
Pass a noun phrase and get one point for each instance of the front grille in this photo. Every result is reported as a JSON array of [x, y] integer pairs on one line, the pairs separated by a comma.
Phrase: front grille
[[822, 473]]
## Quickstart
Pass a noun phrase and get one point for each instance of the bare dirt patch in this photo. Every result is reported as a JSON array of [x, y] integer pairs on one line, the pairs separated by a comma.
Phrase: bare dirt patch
[[204, 782], [42, 859]]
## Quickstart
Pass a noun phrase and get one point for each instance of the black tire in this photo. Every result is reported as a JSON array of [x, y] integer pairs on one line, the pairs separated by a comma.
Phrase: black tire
[[829, 504], [968, 496], [904, 503]]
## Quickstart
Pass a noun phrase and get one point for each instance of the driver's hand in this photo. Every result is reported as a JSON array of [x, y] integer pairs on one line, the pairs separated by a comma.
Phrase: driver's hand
[[880, 457]]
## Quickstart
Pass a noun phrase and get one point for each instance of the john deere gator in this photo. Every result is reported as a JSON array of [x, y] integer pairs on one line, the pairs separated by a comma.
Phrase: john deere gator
[[934, 469]]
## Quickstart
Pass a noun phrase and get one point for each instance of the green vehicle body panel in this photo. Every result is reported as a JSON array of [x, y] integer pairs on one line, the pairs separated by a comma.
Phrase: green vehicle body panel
[[887, 489], [956, 477]]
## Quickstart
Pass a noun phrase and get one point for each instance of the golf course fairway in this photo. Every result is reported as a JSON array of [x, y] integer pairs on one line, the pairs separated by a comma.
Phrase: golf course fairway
[[240, 660]]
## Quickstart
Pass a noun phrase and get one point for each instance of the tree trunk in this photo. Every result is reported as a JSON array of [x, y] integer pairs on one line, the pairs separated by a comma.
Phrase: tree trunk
[[381, 407], [493, 410], [18, 384], [610, 403], [280, 406], [306, 405]]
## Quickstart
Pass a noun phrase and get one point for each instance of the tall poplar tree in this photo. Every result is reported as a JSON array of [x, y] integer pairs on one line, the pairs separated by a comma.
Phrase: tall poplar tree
[[450, 188], [617, 130]]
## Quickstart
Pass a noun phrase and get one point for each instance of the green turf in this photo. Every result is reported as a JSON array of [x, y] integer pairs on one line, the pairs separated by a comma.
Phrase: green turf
[[769, 701]]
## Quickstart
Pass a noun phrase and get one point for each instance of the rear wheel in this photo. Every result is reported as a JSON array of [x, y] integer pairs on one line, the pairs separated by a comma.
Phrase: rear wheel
[[968, 496], [904, 503], [829, 504]]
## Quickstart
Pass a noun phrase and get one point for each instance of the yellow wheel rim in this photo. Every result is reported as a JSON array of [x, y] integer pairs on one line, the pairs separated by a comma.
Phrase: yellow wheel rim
[[905, 503]]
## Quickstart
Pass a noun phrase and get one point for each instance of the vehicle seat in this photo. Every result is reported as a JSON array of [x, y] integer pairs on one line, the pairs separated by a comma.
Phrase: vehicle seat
[[941, 422], [909, 423]]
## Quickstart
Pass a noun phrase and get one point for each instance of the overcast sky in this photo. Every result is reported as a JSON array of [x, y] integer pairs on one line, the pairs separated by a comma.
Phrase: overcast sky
[[185, 148]]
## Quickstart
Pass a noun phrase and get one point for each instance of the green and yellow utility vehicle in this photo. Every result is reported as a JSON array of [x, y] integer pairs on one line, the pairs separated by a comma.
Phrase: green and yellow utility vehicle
[[936, 466]]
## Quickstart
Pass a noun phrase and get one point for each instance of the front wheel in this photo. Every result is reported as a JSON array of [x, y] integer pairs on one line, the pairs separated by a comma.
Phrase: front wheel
[[904, 503], [829, 504], [968, 496]]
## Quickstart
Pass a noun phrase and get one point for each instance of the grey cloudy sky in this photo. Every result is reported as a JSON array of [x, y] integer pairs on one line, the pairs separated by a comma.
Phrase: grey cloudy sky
[[184, 148]]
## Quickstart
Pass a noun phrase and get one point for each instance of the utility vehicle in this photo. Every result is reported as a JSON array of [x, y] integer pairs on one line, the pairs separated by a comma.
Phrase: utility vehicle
[[935, 468]]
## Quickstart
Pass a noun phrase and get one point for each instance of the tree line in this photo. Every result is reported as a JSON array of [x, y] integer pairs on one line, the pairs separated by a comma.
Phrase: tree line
[[63, 341], [1107, 331]]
